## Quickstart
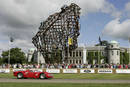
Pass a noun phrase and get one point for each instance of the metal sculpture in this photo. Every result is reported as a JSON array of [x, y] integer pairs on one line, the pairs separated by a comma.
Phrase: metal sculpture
[[55, 32]]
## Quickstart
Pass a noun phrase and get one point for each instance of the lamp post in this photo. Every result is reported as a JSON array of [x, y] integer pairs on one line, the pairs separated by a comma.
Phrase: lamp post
[[10, 41], [9, 56]]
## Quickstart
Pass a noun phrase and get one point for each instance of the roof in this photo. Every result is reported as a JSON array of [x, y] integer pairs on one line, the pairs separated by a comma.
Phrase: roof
[[113, 42], [92, 48]]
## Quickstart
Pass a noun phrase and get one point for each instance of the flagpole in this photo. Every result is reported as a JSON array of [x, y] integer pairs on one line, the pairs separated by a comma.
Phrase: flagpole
[[68, 49], [70, 42], [10, 40]]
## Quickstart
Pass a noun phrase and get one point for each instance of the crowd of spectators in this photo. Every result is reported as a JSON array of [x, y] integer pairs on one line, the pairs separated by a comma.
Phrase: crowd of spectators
[[66, 66]]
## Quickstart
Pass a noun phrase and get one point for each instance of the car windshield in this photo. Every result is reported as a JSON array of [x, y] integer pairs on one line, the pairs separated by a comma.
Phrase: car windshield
[[31, 71]]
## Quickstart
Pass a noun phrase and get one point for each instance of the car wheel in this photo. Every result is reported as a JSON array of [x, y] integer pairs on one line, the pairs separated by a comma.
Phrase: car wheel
[[19, 75], [42, 76]]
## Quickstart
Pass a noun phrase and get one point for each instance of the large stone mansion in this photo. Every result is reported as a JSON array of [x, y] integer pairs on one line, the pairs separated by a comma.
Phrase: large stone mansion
[[89, 55]]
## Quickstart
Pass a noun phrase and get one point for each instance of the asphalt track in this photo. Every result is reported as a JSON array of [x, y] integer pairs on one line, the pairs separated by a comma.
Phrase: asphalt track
[[63, 81]]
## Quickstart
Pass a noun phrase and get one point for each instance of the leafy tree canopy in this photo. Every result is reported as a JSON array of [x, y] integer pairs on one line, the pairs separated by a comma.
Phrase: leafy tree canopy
[[16, 56]]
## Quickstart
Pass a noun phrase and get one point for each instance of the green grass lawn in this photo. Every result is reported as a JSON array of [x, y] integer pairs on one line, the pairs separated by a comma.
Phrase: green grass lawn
[[60, 85], [92, 76], [80, 76]]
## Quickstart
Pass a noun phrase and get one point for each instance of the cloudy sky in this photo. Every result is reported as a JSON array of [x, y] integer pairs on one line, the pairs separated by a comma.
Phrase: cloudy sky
[[20, 19]]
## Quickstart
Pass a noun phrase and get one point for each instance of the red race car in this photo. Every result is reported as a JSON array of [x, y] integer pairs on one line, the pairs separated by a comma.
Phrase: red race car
[[32, 74]]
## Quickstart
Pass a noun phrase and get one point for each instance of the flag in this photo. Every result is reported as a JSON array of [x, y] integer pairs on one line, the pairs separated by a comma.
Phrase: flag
[[70, 41]]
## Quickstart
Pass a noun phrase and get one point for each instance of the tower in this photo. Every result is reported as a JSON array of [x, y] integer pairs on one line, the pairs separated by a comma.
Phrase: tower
[[113, 53]]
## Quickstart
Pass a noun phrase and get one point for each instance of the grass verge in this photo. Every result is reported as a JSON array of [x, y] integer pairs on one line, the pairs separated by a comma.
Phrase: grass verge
[[60, 85], [93, 76], [80, 76]]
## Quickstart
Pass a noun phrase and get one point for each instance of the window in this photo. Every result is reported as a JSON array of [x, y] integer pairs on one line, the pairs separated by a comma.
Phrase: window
[[70, 54], [80, 61], [101, 53], [117, 52], [76, 61], [73, 54], [80, 54], [88, 54], [112, 53], [66, 53], [77, 53], [73, 61], [70, 61], [96, 53]]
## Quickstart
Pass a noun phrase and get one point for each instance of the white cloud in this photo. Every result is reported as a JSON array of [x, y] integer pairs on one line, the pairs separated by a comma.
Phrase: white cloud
[[118, 29], [110, 9], [127, 9], [127, 6], [104, 6], [21, 18]]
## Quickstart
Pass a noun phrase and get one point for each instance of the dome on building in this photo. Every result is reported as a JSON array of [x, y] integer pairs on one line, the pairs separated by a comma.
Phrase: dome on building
[[31, 49], [113, 42]]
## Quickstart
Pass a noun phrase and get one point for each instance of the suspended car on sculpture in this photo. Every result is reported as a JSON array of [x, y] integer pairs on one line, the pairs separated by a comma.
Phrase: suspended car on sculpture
[[59, 32]]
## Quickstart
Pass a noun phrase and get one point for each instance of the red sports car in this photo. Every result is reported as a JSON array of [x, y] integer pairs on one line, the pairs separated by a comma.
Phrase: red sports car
[[32, 74]]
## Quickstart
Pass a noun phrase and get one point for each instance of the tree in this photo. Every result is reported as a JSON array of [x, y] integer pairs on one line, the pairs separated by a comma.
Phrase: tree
[[56, 56], [90, 57], [97, 56], [1, 60], [16, 56], [121, 57], [124, 57]]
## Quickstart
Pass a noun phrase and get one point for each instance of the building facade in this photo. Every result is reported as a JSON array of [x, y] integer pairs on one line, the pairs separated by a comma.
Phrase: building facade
[[98, 54], [110, 54]]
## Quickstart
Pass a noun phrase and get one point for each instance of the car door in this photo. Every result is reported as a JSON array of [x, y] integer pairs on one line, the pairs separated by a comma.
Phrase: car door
[[29, 73]]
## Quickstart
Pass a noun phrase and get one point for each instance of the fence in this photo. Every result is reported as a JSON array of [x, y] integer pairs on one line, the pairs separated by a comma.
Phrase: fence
[[74, 71]]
